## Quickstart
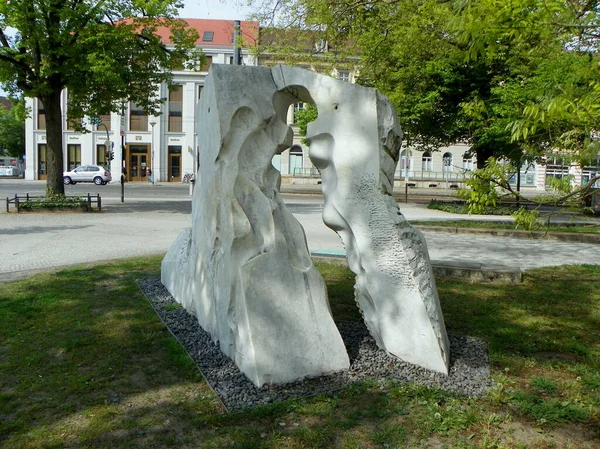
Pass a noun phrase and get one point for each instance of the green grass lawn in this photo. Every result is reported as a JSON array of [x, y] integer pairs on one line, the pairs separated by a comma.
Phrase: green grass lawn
[[86, 363]]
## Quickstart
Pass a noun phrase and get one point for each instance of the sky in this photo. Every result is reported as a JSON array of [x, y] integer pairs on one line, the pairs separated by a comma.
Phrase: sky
[[215, 9]]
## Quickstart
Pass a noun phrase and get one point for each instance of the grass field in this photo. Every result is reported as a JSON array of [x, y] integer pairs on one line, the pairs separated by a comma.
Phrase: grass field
[[86, 363]]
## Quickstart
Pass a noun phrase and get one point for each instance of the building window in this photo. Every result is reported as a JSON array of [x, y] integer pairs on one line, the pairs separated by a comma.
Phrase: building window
[[175, 108], [208, 36], [41, 115], [138, 119], [296, 166], [343, 75], [174, 163], [101, 155], [404, 161], [207, 63], [426, 160], [199, 91], [468, 163], [447, 162], [297, 108], [73, 156], [42, 167]]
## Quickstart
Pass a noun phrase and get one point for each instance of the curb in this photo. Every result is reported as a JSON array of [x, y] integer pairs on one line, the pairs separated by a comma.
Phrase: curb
[[514, 233]]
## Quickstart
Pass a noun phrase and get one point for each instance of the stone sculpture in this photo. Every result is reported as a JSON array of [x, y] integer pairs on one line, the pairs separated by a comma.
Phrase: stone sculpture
[[243, 268]]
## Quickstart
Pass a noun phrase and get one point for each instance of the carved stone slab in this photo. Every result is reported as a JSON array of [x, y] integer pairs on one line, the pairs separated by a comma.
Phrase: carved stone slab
[[244, 269]]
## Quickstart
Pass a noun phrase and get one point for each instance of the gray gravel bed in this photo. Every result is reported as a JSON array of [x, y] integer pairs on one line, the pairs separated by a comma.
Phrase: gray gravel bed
[[469, 363]]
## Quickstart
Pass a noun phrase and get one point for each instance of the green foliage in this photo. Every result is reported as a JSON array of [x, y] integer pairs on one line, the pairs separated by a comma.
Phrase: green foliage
[[303, 117], [12, 129], [561, 185], [507, 78], [549, 411], [544, 385], [564, 99], [103, 53], [486, 186], [453, 208], [414, 52], [527, 219], [461, 208], [56, 201]]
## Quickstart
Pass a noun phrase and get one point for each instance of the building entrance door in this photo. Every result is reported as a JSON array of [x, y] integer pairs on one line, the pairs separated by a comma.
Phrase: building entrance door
[[138, 161], [42, 174], [175, 167], [174, 163]]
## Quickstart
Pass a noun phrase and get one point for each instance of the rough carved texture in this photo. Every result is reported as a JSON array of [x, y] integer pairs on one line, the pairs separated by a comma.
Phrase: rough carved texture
[[244, 269], [355, 143]]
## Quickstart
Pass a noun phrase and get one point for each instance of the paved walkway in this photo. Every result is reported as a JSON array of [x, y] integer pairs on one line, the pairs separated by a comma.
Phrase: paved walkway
[[39, 241]]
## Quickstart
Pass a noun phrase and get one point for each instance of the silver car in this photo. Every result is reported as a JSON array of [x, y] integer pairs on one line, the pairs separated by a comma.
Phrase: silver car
[[87, 173]]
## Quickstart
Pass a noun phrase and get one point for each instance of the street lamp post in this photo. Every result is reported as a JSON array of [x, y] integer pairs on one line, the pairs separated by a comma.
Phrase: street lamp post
[[153, 169]]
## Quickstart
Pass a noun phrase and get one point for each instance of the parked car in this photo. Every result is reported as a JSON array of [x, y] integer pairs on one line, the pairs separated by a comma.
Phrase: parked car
[[87, 173]]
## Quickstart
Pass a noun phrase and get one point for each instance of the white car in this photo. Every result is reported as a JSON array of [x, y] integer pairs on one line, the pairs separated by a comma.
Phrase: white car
[[87, 173]]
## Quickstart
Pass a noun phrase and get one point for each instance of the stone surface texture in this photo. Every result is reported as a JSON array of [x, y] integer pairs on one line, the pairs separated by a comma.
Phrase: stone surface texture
[[355, 143], [243, 268]]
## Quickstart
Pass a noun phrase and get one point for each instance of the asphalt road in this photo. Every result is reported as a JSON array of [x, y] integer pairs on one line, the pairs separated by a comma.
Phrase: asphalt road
[[152, 216]]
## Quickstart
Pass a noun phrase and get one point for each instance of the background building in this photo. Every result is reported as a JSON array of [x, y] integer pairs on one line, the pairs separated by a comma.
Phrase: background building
[[165, 144]]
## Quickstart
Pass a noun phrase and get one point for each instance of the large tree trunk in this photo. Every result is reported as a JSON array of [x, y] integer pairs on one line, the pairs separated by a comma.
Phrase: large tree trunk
[[54, 138]]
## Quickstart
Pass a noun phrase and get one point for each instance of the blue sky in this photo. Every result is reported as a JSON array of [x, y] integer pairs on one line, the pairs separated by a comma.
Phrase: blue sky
[[215, 9]]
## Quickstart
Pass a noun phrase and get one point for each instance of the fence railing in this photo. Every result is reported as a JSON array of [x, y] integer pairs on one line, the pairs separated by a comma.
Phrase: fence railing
[[433, 176], [18, 199], [311, 172], [417, 176]]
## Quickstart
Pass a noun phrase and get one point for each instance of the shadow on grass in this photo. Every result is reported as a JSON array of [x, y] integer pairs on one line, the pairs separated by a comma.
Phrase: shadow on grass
[[554, 310], [85, 362]]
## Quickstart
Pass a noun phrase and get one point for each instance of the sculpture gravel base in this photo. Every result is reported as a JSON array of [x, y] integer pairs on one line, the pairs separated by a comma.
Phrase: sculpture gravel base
[[469, 372]]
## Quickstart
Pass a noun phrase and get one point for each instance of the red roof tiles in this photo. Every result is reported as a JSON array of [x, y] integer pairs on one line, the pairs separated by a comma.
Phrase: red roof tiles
[[223, 32]]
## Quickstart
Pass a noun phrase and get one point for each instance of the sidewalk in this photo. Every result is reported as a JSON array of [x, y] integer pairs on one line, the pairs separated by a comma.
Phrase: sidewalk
[[39, 241]]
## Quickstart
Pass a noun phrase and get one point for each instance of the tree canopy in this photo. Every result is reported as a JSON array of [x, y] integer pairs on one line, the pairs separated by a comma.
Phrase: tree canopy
[[12, 129], [104, 53], [513, 79]]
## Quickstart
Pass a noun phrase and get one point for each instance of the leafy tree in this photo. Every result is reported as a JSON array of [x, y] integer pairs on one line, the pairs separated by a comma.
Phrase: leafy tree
[[412, 52], [12, 129], [103, 52], [303, 117], [566, 104]]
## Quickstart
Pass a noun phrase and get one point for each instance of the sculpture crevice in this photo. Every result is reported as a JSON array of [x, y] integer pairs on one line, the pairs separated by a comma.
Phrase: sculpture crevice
[[243, 268]]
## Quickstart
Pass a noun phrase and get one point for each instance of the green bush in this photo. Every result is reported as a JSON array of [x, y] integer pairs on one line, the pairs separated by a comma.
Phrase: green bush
[[461, 208], [54, 202]]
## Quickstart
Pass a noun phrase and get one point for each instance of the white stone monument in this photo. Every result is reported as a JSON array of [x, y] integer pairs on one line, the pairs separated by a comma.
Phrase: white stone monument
[[243, 268]]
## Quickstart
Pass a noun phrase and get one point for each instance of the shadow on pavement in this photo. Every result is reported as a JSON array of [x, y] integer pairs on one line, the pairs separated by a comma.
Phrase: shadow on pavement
[[185, 207], [39, 229]]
